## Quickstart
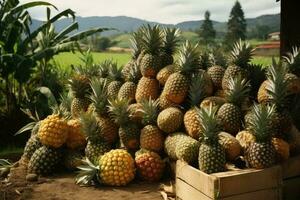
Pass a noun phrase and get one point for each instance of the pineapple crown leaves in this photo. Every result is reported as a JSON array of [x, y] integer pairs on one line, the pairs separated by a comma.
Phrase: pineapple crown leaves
[[87, 174], [28, 127], [90, 126], [210, 127], [152, 40], [150, 111], [98, 96], [196, 91], [238, 90], [104, 68], [115, 72], [277, 84], [119, 111], [134, 74], [206, 60], [189, 57], [170, 40], [61, 111], [79, 86], [136, 43], [292, 59], [260, 123], [241, 54]]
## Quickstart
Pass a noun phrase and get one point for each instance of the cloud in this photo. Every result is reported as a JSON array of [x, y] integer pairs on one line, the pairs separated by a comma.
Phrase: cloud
[[165, 11]]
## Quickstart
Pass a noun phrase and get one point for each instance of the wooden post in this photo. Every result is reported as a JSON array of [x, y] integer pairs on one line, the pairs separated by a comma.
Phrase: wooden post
[[290, 29]]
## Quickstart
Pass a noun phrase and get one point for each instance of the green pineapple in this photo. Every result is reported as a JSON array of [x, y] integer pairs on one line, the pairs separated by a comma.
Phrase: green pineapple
[[152, 42], [261, 153], [129, 131], [230, 114], [128, 89], [170, 44], [116, 81], [241, 55], [212, 156], [44, 160], [31, 146], [99, 99], [96, 145]]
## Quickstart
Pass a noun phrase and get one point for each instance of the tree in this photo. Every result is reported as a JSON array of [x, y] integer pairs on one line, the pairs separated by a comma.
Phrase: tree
[[236, 26], [207, 31]]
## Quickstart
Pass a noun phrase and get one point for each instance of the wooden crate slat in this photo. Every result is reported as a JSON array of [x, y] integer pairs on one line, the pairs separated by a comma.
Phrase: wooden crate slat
[[186, 192], [291, 168], [199, 180], [270, 194]]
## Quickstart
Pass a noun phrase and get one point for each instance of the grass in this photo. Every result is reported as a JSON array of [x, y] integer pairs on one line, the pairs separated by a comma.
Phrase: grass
[[67, 59], [265, 61]]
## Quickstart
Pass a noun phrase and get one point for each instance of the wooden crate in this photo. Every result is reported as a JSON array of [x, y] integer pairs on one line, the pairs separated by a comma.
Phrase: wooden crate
[[291, 179], [248, 184]]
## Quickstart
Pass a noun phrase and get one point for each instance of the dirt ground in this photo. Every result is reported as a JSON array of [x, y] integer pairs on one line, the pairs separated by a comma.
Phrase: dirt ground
[[62, 187]]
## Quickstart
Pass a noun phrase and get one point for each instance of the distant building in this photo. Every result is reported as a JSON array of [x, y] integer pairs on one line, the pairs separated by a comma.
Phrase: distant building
[[274, 36]]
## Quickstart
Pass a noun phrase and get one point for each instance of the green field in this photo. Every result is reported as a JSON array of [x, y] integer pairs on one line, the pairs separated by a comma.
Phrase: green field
[[67, 59]]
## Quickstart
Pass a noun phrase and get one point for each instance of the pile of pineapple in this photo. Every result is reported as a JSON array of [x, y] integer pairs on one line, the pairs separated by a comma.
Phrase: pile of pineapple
[[123, 122]]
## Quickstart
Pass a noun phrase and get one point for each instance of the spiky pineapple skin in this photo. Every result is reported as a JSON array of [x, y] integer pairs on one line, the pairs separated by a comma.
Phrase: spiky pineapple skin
[[31, 146], [150, 65], [44, 160], [136, 115], [171, 143], [187, 149], [192, 123], [53, 131], [211, 158], [164, 103], [261, 155], [94, 150], [216, 74], [79, 105], [109, 130], [262, 94], [176, 88], [75, 139], [147, 88], [150, 166], [170, 119], [113, 89], [164, 74], [126, 69], [282, 149], [127, 91], [231, 145], [129, 136], [230, 117], [116, 168], [151, 138], [231, 72]]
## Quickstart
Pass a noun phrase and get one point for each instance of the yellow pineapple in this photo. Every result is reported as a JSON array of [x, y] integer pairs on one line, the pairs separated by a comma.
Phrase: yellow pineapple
[[170, 119], [76, 139], [147, 88], [164, 74]]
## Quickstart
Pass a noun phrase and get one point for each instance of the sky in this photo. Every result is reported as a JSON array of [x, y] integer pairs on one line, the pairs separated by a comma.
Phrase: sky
[[163, 11]]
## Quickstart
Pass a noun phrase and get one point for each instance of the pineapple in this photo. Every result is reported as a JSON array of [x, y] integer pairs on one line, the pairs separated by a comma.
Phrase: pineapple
[[216, 74], [230, 114], [245, 139], [116, 81], [150, 166], [75, 139], [282, 149], [129, 131], [152, 42], [196, 94], [53, 131], [220, 93], [214, 100], [171, 144], [104, 69], [231, 145], [177, 85], [164, 103], [275, 91], [241, 54], [72, 160], [147, 88], [261, 153], [170, 43], [293, 62], [170, 119], [212, 157], [79, 86], [96, 145], [99, 99], [164, 74], [115, 168], [128, 89], [136, 51], [151, 137], [136, 114], [44, 160], [31, 146]]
